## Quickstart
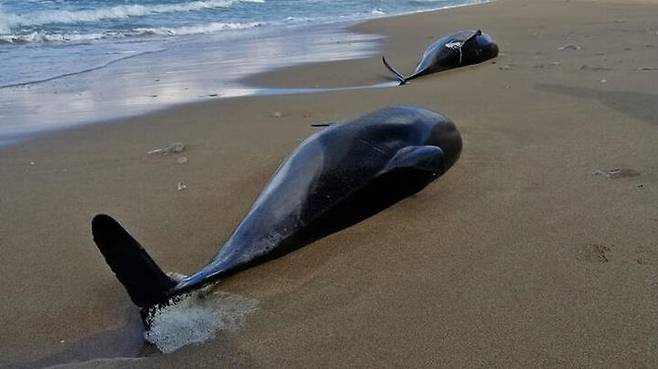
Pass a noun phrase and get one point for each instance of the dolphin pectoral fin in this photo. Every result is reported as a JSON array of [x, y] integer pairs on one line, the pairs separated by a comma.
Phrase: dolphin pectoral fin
[[427, 158], [397, 74], [145, 282]]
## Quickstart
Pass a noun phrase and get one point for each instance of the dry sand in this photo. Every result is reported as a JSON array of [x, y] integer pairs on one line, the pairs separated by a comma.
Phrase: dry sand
[[519, 257]]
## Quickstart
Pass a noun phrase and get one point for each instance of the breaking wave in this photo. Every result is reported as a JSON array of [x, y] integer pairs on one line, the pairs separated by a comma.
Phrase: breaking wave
[[197, 29], [41, 36], [9, 21]]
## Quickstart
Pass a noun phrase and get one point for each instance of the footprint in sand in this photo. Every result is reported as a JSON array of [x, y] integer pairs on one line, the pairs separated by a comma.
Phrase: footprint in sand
[[594, 253], [646, 255]]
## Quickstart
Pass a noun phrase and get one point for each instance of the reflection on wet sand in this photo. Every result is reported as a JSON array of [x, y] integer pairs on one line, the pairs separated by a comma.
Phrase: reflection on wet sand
[[187, 70]]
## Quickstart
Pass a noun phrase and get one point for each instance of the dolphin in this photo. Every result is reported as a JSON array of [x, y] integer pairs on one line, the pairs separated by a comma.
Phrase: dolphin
[[335, 178], [452, 51]]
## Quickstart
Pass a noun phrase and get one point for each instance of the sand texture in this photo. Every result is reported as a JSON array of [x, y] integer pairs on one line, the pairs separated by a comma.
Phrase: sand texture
[[531, 252]]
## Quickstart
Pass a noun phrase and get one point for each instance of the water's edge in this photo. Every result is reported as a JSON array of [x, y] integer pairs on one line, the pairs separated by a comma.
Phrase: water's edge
[[136, 85]]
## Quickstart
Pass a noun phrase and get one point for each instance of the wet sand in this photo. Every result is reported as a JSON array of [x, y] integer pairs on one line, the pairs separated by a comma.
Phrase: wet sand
[[521, 256]]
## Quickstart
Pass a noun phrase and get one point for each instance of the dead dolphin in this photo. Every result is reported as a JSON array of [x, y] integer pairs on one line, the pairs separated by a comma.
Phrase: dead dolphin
[[452, 51], [335, 178]]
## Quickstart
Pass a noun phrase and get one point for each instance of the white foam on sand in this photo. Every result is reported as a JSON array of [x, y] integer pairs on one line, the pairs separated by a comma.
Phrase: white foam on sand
[[196, 318]]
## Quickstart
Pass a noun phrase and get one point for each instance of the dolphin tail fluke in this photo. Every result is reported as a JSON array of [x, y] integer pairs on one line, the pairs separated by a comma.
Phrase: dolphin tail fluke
[[397, 74], [145, 282]]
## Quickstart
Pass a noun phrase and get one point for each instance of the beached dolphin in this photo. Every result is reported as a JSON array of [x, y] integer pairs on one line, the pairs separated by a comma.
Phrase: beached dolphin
[[335, 178], [452, 51]]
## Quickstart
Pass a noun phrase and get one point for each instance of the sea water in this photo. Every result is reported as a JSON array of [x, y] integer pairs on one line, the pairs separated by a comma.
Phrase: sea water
[[63, 62]]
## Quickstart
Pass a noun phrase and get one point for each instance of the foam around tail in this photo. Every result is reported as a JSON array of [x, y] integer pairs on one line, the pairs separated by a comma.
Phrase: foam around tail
[[196, 317], [140, 275]]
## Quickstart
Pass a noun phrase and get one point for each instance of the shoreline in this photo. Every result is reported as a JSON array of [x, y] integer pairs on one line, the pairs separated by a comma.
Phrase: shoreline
[[520, 256], [37, 104], [197, 70]]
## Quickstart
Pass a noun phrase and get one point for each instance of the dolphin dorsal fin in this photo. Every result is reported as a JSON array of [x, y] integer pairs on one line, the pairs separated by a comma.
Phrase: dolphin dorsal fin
[[471, 37]]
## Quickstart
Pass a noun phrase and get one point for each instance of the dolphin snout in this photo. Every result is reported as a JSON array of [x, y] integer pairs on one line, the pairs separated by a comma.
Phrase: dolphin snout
[[493, 50], [450, 142]]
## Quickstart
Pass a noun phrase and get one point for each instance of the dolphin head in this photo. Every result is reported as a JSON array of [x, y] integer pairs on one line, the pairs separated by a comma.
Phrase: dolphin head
[[447, 137], [484, 47]]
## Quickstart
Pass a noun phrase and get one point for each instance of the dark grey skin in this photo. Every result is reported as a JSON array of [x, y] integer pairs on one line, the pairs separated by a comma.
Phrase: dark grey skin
[[452, 51], [335, 178]]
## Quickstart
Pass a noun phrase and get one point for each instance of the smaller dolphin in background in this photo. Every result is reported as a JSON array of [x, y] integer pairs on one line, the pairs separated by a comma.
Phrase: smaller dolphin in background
[[452, 51]]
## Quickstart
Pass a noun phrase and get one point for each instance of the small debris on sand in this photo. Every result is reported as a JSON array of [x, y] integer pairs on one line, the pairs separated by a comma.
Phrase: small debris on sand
[[182, 160], [277, 114], [181, 186], [569, 47], [616, 173], [323, 124], [176, 147], [647, 68], [592, 68]]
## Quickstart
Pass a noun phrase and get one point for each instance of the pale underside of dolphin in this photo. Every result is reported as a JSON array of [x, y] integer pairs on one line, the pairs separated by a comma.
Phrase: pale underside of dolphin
[[335, 178]]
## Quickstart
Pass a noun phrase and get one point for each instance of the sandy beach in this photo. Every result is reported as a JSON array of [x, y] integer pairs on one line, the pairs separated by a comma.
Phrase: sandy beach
[[531, 252]]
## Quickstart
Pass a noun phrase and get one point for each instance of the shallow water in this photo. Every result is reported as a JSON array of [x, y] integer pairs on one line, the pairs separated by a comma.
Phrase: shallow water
[[181, 70], [71, 62], [62, 21]]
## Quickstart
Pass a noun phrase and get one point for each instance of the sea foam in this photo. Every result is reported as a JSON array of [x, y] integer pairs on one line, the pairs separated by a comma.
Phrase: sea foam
[[197, 29], [9, 21], [196, 317], [41, 36]]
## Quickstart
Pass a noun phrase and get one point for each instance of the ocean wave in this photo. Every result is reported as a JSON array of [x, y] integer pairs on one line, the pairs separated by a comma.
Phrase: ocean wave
[[45, 37], [197, 29], [80, 71], [9, 21], [51, 37]]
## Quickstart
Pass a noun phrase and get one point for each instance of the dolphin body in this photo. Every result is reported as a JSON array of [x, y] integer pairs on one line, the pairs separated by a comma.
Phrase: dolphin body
[[452, 51], [335, 178]]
